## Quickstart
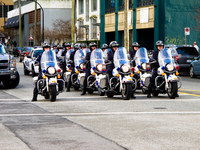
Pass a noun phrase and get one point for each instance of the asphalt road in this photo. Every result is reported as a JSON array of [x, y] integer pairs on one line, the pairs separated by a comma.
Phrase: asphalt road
[[91, 122]]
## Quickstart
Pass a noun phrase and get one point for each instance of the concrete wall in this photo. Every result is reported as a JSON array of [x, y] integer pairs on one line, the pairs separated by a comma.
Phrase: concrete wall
[[50, 15], [178, 15]]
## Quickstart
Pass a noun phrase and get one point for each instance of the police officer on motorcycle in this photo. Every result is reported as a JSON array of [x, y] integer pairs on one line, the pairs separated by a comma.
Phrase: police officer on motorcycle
[[132, 52], [55, 48], [71, 61], [109, 61], [67, 47], [82, 45], [46, 47], [92, 47], [159, 46]]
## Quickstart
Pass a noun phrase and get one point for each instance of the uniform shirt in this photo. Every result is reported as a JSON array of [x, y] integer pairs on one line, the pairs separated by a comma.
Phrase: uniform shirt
[[155, 57]]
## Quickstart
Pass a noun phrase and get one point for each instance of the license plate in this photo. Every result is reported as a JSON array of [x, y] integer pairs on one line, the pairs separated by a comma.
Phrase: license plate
[[189, 61]]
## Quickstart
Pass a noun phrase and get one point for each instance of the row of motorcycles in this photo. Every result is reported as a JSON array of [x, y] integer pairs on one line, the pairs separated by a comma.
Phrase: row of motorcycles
[[126, 78]]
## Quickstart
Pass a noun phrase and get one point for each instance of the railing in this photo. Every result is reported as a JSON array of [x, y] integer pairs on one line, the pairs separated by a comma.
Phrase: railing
[[142, 3]]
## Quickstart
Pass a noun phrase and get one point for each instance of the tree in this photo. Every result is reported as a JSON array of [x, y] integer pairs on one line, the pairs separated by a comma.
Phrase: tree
[[60, 32]]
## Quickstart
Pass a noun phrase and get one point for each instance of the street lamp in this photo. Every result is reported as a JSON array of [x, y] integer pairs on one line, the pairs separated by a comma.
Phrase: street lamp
[[42, 21]]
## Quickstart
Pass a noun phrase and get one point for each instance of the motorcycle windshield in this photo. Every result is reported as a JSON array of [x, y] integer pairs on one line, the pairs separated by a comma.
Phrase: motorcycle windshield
[[120, 57], [96, 57], [80, 56], [105, 53], [48, 59], [141, 56], [165, 57]]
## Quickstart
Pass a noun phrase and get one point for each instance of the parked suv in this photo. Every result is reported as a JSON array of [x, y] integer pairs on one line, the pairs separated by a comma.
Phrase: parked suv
[[8, 71]]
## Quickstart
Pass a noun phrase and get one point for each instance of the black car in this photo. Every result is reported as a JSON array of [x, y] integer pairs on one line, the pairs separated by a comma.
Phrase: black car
[[186, 56]]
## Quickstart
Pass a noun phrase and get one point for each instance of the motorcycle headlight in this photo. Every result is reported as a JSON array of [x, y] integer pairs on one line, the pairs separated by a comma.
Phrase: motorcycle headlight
[[144, 66], [51, 70], [170, 67], [125, 68], [99, 67]]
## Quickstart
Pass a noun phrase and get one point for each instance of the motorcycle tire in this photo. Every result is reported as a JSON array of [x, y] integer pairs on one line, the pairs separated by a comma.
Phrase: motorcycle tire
[[155, 93], [109, 95], [46, 96], [101, 93], [173, 90], [90, 91], [127, 92], [52, 93]]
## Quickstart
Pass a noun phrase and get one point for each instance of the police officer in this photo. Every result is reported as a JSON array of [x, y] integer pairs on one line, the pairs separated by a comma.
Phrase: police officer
[[92, 47], [83, 45], [104, 48], [67, 47], [159, 46], [109, 60], [46, 47], [55, 48], [71, 61], [60, 50], [132, 52]]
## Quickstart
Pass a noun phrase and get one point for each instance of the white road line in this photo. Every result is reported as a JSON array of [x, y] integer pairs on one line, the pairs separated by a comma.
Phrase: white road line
[[100, 113]]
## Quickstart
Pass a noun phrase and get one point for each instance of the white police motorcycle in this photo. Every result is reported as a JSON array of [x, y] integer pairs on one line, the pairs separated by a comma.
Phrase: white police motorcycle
[[142, 69], [79, 75], [121, 82], [167, 80], [97, 80], [51, 84]]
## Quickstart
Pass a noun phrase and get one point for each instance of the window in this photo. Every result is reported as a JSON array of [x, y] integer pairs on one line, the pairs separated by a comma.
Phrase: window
[[94, 5], [80, 30], [87, 10], [81, 6], [4, 10], [94, 28]]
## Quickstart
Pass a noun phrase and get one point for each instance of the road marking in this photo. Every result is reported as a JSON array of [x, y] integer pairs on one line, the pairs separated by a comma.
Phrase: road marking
[[94, 114], [189, 90], [189, 94]]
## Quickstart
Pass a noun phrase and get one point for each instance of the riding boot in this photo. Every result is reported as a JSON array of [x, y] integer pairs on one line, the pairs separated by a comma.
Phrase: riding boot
[[133, 95], [35, 93], [177, 95], [149, 94], [83, 92]]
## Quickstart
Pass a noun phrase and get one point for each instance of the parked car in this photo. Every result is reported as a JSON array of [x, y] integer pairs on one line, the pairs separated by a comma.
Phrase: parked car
[[186, 54], [195, 67], [29, 61], [17, 51], [24, 52]]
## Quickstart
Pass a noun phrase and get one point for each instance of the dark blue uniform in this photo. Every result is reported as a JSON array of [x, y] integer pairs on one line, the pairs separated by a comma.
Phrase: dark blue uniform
[[154, 72], [72, 69], [110, 66], [35, 91], [87, 70], [132, 55]]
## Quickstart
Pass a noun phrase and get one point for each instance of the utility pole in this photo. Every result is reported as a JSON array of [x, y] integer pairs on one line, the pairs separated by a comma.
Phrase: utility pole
[[20, 25], [35, 23], [126, 25], [72, 27]]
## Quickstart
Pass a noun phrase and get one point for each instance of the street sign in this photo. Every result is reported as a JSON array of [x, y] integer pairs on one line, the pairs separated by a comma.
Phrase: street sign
[[98, 35], [187, 31]]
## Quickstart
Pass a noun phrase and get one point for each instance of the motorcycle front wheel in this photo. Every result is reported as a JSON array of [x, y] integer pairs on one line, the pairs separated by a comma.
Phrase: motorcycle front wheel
[[126, 91], [172, 90], [52, 90]]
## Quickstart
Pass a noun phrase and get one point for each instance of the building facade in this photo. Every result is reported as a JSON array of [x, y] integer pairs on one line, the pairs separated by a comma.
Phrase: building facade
[[5, 6], [149, 21], [87, 20], [53, 10]]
